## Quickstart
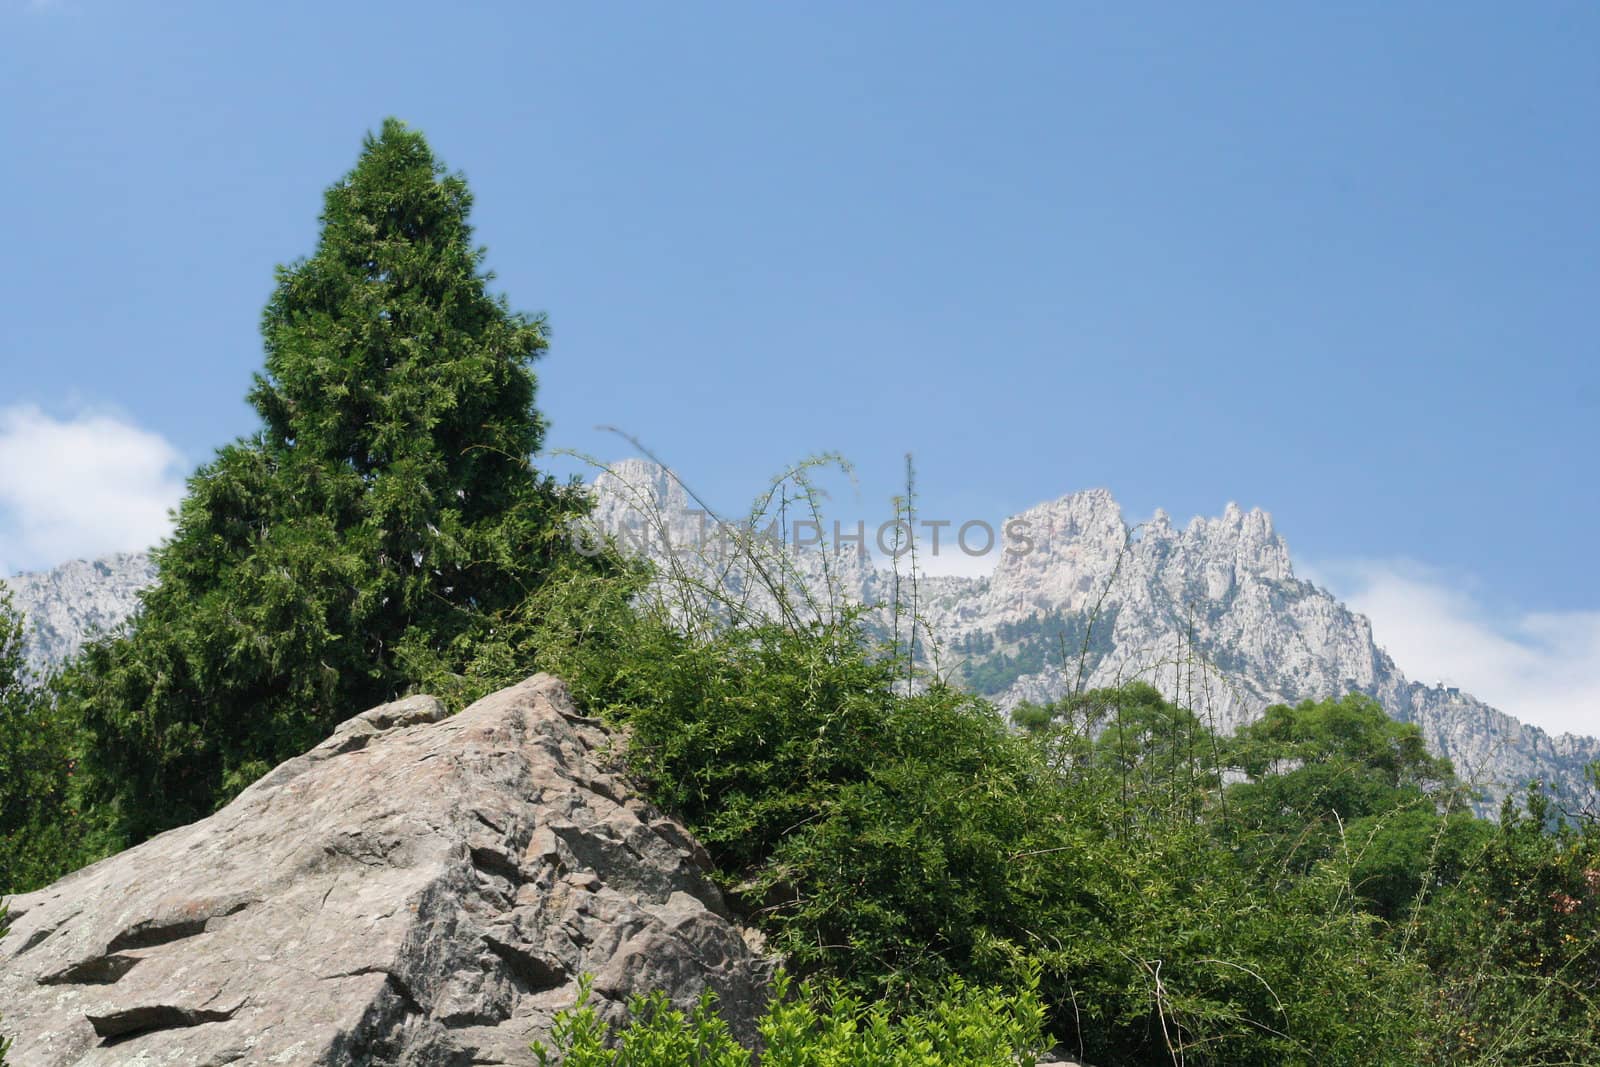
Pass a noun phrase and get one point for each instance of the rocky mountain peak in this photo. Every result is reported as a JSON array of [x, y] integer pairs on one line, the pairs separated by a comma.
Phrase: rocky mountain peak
[[1246, 540], [1053, 550], [642, 478], [646, 507], [1159, 526], [1089, 513]]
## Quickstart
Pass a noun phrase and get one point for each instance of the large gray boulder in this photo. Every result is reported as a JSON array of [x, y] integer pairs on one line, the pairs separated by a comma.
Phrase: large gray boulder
[[416, 890]]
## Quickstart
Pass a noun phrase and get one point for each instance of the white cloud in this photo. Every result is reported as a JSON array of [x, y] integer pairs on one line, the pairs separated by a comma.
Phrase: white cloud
[[971, 554], [1542, 667], [954, 563], [81, 487]]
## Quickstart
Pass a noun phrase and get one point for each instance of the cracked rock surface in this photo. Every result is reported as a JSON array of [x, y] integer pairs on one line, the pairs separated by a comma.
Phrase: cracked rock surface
[[416, 890]]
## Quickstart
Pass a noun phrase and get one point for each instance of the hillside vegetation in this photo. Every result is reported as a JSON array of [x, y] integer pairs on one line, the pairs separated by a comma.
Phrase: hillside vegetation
[[1103, 870]]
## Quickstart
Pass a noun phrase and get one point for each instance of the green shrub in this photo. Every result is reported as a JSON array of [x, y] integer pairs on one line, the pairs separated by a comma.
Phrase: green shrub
[[821, 1027], [892, 841], [1515, 945]]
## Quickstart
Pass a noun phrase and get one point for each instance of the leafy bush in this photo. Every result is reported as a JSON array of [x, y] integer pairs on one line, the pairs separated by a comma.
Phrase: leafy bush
[[1515, 945], [962, 1027], [891, 841]]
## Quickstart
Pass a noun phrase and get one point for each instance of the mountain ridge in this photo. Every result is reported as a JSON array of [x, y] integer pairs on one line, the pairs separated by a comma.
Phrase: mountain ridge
[[1211, 613]]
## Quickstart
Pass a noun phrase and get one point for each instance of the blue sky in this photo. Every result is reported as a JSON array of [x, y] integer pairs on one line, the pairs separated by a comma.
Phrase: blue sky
[[1336, 262]]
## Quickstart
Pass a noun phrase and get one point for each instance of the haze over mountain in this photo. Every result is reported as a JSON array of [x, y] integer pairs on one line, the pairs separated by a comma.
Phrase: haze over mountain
[[1211, 613]]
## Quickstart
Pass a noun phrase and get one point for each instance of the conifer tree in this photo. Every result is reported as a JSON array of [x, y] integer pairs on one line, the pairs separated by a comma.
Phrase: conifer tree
[[380, 532], [39, 835]]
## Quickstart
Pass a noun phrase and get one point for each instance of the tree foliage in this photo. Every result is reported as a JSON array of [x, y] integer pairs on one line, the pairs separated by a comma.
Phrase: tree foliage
[[1340, 776], [41, 836], [1515, 943], [379, 532], [892, 841]]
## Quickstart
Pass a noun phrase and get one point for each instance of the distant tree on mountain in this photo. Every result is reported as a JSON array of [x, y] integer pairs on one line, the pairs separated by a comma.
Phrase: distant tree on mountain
[[382, 530]]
